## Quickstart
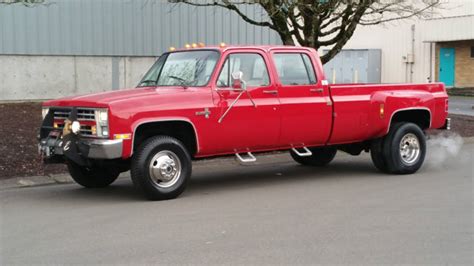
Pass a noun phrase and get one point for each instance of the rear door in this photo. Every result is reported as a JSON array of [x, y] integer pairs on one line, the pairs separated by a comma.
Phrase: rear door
[[305, 105]]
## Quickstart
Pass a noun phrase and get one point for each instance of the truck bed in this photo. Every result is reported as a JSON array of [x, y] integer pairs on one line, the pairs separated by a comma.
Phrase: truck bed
[[357, 107]]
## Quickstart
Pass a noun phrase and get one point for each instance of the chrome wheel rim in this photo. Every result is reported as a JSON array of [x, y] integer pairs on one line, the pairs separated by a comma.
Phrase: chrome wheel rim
[[165, 169], [410, 149]]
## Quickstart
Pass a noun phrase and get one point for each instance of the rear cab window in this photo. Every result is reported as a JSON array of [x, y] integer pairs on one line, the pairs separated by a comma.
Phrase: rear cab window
[[294, 68]]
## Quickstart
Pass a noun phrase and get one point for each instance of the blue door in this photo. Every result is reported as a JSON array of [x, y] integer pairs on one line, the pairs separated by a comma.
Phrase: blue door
[[446, 66]]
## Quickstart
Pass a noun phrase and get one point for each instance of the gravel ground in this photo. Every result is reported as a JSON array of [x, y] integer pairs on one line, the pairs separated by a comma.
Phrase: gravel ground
[[20, 124]]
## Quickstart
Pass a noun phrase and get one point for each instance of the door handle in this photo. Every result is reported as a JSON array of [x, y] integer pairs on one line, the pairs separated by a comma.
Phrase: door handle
[[274, 92], [316, 90]]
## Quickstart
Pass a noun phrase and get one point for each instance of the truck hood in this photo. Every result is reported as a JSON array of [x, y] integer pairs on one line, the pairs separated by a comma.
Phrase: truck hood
[[104, 99]]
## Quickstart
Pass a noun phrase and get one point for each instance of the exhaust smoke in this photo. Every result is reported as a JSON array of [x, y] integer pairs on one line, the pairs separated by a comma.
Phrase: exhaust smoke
[[443, 148]]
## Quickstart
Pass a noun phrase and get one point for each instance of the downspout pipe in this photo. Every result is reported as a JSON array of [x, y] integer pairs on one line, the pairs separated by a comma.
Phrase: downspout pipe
[[412, 51]]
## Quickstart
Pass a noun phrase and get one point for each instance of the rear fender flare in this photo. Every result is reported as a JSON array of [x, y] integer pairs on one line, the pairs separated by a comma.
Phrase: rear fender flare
[[394, 102]]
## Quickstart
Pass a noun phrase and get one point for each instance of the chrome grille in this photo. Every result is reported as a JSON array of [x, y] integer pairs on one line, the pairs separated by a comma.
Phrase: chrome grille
[[82, 114], [85, 130]]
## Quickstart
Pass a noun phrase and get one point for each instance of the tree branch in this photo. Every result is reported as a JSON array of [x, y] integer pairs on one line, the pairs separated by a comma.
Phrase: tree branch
[[231, 6]]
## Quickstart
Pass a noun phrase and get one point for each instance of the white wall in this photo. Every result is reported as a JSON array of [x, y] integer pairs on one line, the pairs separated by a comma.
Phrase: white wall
[[47, 77], [395, 40]]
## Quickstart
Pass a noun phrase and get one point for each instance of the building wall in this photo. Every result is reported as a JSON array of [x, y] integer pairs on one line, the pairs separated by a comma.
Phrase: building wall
[[463, 64], [122, 27], [398, 39], [69, 47], [44, 77]]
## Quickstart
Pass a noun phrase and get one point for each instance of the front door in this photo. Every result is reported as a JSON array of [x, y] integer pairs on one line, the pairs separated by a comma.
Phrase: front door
[[446, 66], [245, 126], [305, 105]]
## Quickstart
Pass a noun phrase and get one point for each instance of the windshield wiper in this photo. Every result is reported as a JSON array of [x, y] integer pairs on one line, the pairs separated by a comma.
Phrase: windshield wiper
[[182, 81], [146, 83]]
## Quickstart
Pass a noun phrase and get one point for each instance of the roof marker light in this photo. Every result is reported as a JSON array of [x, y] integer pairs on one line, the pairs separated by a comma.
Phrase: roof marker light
[[187, 46], [171, 49], [222, 45], [201, 44], [194, 45]]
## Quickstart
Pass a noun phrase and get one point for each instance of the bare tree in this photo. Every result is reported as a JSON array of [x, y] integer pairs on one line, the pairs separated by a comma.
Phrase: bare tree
[[323, 23], [23, 2]]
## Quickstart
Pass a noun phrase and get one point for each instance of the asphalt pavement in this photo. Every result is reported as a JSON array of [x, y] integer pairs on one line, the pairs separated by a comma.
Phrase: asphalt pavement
[[461, 105], [275, 212]]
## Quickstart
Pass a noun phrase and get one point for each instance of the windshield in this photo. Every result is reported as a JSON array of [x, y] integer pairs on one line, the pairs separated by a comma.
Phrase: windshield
[[193, 68]]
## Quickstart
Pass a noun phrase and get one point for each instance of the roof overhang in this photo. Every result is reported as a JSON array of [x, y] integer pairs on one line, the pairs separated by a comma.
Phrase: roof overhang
[[448, 29]]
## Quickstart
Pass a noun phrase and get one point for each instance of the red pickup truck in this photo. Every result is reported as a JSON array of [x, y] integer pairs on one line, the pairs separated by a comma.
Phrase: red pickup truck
[[236, 100]]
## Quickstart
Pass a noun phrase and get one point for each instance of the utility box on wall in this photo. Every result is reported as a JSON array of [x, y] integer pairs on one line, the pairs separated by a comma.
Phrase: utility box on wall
[[355, 66]]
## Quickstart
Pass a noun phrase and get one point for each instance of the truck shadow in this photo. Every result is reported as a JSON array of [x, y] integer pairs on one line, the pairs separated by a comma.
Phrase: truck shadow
[[275, 175], [207, 179]]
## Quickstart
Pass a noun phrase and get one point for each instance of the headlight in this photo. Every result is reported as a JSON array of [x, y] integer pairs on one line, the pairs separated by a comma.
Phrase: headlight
[[102, 120], [44, 111], [103, 117]]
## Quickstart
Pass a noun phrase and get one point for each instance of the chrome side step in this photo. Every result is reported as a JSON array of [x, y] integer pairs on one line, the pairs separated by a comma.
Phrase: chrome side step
[[306, 152], [248, 159]]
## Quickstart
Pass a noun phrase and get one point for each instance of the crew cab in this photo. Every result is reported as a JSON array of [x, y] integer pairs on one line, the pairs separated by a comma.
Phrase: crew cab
[[236, 100]]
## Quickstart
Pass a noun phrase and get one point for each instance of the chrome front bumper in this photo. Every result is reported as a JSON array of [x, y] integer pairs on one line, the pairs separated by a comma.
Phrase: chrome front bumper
[[52, 149], [105, 149]]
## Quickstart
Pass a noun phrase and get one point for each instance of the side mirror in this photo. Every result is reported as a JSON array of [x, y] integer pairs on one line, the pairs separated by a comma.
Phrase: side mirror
[[238, 85], [237, 82]]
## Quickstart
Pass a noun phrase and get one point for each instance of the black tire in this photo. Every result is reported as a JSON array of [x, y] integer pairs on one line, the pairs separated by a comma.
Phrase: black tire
[[396, 163], [321, 156], [92, 177], [142, 177], [376, 153]]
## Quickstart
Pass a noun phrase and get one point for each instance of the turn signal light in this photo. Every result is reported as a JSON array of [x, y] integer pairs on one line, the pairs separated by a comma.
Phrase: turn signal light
[[123, 136], [382, 110]]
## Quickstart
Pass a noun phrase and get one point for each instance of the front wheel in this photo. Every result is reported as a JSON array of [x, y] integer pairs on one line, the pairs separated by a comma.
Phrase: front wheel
[[404, 149], [321, 156], [161, 168], [92, 177]]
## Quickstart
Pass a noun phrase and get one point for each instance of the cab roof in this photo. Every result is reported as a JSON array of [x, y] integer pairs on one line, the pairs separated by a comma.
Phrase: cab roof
[[265, 48]]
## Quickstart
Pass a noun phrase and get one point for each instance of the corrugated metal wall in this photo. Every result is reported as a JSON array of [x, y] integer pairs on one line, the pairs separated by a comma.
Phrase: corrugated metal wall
[[122, 27]]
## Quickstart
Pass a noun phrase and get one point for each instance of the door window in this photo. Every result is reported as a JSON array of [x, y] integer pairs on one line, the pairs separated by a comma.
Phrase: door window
[[294, 69], [253, 67]]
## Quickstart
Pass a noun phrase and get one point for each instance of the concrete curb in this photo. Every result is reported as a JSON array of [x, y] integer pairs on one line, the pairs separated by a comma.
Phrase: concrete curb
[[274, 157], [34, 181], [468, 140]]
